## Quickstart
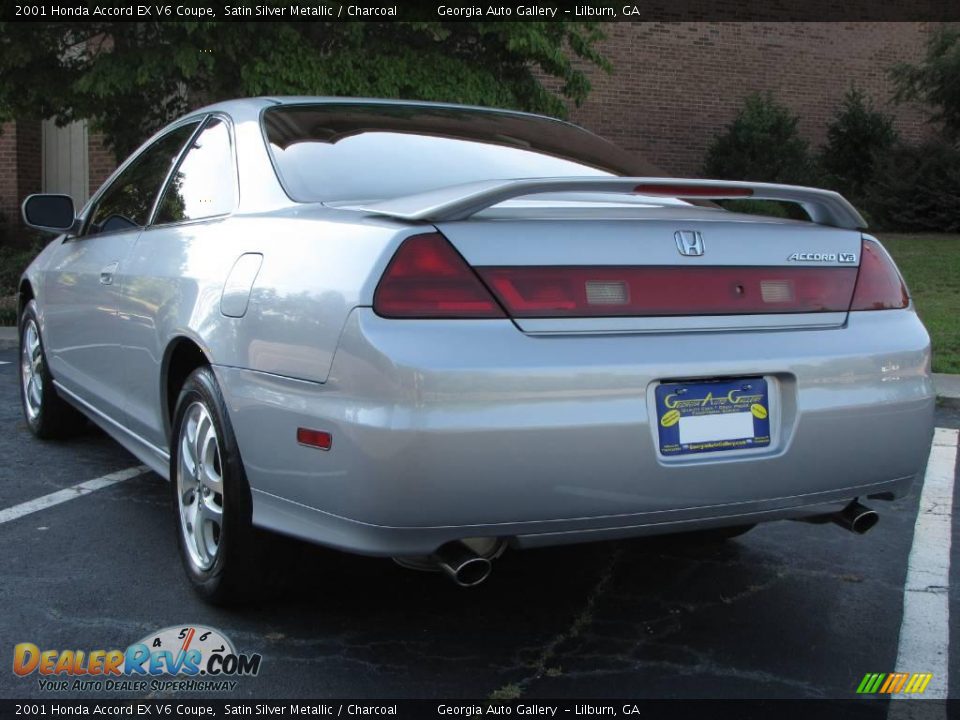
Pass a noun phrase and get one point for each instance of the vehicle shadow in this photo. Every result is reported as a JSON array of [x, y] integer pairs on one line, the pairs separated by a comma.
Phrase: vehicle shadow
[[650, 617]]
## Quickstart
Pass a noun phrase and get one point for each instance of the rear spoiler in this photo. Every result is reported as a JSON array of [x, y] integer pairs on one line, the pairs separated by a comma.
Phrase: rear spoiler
[[459, 202]]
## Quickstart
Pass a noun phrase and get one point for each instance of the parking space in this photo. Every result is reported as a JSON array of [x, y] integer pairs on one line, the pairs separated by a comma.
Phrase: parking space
[[788, 610]]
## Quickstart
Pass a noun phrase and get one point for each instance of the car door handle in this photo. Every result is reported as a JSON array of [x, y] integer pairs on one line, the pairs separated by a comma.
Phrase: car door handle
[[106, 275]]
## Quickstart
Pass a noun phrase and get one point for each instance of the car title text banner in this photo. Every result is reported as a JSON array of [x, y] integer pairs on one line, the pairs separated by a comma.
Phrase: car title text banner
[[444, 709], [458, 10]]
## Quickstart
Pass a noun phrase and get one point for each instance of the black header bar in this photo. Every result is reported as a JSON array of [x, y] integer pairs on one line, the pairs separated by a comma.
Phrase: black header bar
[[466, 10], [859, 709]]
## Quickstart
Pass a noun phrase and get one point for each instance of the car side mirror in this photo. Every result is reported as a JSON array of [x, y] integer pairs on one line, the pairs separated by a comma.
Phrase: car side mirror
[[50, 213]]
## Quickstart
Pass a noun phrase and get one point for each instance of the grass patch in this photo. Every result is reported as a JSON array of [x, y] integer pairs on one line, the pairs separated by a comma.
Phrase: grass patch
[[930, 263]]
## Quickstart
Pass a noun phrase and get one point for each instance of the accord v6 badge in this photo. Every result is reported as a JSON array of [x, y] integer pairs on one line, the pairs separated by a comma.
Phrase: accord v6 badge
[[846, 258]]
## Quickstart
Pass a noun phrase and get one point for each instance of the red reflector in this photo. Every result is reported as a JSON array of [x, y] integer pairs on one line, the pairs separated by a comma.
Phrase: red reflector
[[314, 438], [694, 191], [427, 278], [879, 286], [656, 290]]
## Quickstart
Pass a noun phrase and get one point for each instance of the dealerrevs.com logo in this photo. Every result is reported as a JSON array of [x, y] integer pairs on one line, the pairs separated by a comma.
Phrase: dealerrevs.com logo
[[177, 658]]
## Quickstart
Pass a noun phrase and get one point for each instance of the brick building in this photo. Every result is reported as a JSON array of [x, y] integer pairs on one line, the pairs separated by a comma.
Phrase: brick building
[[37, 156], [674, 87]]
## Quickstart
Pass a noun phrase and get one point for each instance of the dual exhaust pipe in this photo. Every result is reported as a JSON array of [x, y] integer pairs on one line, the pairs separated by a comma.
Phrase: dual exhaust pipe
[[462, 564], [856, 518], [467, 568]]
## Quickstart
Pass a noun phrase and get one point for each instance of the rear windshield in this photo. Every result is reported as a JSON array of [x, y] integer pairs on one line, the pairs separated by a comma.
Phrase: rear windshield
[[367, 151]]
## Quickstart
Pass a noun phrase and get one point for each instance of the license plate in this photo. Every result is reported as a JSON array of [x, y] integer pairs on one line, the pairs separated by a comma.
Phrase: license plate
[[699, 417]]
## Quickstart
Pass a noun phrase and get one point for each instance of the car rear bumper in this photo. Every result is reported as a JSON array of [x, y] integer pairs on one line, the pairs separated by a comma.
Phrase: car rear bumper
[[451, 429]]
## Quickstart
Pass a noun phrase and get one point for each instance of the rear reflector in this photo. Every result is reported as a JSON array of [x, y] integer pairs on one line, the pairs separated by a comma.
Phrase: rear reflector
[[529, 292], [314, 438], [879, 286], [427, 278]]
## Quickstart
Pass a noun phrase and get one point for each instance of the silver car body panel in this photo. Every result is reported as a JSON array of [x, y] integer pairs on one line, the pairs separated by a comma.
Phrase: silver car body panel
[[482, 430], [537, 430]]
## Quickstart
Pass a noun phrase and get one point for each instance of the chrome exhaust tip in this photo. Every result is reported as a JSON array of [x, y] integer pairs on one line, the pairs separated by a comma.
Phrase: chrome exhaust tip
[[462, 564], [856, 518]]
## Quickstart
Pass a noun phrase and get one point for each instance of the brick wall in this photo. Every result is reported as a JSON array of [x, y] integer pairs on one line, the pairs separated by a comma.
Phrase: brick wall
[[676, 85], [8, 172], [100, 162], [21, 169], [29, 157]]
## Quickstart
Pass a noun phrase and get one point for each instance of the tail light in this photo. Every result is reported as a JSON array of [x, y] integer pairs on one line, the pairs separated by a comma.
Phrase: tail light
[[657, 291], [879, 286], [427, 278]]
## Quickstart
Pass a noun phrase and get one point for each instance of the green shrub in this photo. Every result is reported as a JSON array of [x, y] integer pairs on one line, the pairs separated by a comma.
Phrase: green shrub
[[856, 136], [18, 247], [761, 144], [13, 261], [8, 311], [917, 188], [770, 208]]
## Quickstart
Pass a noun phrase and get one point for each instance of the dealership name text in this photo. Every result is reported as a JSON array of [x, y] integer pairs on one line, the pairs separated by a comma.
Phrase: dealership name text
[[526, 11]]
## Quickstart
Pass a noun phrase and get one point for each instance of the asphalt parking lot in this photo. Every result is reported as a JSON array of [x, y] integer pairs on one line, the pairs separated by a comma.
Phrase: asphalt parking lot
[[790, 610]]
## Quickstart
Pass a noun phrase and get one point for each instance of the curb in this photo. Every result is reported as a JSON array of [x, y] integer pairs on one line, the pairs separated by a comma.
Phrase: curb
[[948, 390]]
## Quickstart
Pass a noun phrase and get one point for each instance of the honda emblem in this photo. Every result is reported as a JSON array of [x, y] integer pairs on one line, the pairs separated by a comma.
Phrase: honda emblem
[[689, 242]]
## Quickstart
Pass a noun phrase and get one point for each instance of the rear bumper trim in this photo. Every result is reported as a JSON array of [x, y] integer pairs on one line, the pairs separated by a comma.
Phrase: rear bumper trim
[[307, 523]]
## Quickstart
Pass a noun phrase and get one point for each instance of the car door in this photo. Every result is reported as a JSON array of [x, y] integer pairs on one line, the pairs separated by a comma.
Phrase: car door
[[82, 284], [175, 275]]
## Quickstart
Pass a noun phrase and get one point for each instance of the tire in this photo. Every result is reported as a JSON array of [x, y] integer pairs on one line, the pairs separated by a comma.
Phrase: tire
[[211, 498], [48, 416]]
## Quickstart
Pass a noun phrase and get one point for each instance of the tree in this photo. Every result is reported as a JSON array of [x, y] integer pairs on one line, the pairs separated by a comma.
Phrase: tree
[[761, 144], [856, 136], [935, 81], [130, 79]]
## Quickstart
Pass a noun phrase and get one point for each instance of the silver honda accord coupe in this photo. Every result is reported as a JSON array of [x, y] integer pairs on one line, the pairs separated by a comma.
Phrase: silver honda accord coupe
[[434, 332]]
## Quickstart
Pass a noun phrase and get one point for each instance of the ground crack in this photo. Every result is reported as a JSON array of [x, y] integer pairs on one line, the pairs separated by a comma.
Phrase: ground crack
[[541, 665]]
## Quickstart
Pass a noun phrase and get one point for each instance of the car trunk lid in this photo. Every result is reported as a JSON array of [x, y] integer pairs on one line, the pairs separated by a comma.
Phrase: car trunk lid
[[624, 268]]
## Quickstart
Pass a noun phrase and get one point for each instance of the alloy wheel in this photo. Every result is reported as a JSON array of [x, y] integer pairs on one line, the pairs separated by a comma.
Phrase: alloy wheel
[[200, 486], [31, 370]]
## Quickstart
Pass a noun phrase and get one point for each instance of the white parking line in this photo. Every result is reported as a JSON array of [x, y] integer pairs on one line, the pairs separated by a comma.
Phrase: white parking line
[[4, 362], [75, 491], [925, 631]]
